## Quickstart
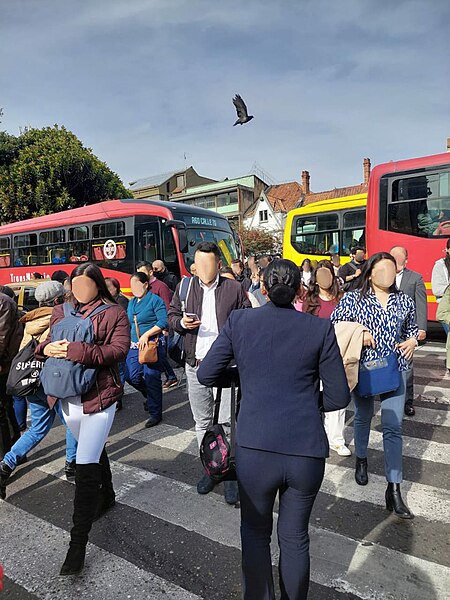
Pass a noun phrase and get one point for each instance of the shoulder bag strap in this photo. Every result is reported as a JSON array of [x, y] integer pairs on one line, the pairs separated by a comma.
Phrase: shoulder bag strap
[[233, 422], [217, 402], [138, 333]]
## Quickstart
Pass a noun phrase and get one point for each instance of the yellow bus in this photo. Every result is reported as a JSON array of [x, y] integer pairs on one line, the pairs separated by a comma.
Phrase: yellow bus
[[320, 229]]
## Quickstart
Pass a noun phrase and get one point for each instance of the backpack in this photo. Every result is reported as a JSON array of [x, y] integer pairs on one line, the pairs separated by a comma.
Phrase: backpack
[[24, 374], [176, 346], [218, 456], [62, 378]]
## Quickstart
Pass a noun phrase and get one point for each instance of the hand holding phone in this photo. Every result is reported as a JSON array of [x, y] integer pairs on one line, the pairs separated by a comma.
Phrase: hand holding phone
[[190, 321], [193, 316]]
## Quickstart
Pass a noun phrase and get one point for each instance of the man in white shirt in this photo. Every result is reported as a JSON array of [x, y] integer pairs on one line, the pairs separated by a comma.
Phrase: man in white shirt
[[209, 302]]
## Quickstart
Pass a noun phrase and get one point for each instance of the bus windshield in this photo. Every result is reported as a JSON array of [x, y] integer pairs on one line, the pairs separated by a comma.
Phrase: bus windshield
[[224, 239]]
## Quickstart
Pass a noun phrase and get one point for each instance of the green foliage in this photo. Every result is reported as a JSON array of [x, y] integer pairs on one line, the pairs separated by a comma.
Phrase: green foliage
[[258, 241], [49, 170]]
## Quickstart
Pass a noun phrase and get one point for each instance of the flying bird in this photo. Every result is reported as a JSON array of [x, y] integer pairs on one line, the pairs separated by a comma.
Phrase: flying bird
[[241, 111]]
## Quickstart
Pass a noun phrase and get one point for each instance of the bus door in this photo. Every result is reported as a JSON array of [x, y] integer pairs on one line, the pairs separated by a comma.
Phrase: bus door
[[147, 236]]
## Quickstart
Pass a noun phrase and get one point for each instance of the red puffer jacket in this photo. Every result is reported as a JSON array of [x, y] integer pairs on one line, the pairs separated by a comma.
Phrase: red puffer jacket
[[112, 342]]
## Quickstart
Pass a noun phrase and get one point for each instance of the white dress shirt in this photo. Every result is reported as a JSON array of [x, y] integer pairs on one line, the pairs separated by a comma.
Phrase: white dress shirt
[[208, 330], [398, 278]]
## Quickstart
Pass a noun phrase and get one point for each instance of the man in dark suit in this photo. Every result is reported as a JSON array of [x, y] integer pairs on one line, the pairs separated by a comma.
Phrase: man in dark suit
[[411, 283]]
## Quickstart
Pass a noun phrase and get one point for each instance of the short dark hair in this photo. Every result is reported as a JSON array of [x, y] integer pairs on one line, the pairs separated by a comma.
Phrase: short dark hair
[[94, 272], [61, 276], [146, 264], [4, 289], [355, 249], [208, 248], [37, 276], [237, 261]]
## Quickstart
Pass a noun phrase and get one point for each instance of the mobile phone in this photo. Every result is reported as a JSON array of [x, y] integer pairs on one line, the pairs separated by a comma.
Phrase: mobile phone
[[192, 316]]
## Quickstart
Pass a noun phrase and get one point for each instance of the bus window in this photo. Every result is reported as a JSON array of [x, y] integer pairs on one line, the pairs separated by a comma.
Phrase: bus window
[[78, 244], [52, 247], [170, 252], [223, 239], [109, 230], [316, 234], [25, 250], [417, 204], [5, 252], [353, 234]]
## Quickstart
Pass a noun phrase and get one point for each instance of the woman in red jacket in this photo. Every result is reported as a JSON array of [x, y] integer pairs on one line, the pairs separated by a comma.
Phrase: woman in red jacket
[[91, 415]]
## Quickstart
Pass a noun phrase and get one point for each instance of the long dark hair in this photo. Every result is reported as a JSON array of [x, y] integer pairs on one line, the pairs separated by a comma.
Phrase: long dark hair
[[93, 272], [364, 282], [311, 302], [282, 281]]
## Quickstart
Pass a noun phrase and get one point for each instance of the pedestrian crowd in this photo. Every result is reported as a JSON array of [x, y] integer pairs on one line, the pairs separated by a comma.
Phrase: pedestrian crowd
[[320, 335]]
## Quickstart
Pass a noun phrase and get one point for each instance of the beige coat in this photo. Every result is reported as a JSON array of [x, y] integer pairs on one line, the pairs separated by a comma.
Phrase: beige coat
[[349, 337], [37, 323]]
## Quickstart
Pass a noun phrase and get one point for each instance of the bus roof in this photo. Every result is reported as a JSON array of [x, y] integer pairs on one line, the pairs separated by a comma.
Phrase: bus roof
[[332, 204], [109, 209], [410, 164]]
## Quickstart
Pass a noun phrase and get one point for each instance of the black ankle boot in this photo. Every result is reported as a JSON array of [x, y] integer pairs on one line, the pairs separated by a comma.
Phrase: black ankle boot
[[361, 477], [394, 502], [107, 497], [87, 489]]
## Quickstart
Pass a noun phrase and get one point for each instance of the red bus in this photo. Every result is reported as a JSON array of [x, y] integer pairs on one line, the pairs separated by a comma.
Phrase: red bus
[[409, 205], [115, 235]]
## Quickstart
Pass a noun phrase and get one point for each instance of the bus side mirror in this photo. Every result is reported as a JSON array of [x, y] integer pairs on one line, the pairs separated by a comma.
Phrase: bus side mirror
[[180, 226]]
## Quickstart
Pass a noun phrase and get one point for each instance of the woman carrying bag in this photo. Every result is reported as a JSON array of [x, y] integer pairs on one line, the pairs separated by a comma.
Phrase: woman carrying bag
[[148, 318], [89, 415], [389, 344]]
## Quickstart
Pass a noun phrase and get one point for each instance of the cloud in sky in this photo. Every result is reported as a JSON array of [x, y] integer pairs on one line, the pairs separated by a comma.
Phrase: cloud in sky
[[146, 81]]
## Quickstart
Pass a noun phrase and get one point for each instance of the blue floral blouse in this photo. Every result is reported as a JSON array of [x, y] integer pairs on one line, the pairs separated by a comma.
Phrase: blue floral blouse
[[389, 326]]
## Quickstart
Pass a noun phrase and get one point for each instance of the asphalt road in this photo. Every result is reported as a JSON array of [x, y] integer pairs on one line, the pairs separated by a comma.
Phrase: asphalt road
[[163, 540]]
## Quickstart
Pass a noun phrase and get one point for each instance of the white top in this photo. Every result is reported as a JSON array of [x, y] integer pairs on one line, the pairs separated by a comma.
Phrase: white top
[[208, 330], [398, 278]]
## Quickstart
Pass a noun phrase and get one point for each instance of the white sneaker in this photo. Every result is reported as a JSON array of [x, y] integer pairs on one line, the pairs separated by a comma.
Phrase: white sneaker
[[341, 450]]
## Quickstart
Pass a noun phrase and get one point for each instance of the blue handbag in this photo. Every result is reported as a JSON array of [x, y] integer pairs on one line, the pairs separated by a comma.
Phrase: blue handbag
[[378, 376]]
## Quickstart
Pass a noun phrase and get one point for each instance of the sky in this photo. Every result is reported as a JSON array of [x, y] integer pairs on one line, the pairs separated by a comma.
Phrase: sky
[[147, 84]]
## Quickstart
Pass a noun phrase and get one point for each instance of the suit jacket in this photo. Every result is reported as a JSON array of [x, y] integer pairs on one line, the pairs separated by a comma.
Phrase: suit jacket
[[412, 284], [281, 356]]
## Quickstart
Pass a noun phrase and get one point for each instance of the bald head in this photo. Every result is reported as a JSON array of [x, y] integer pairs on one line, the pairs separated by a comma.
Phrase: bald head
[[400, 255], [158, 266]]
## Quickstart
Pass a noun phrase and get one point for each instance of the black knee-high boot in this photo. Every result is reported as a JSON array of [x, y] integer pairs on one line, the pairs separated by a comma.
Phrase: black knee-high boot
[[107, 497], [87, 489]]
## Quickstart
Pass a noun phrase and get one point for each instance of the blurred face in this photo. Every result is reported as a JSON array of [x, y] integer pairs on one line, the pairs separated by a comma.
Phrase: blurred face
[[307, 266], [84, 289], [324, 278], [207, 266], [383, 274], [400, 258], [111, 288], [237, 269], [359, 256], [138, 289]]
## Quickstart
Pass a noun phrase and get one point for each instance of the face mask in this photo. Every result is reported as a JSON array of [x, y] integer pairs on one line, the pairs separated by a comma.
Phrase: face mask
[[84, 289], [383, 275], [324, 278], [158, 275]]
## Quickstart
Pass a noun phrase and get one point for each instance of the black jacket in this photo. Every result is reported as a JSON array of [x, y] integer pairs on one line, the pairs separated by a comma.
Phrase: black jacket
[[229, 296], [170, 279], [11, 332]]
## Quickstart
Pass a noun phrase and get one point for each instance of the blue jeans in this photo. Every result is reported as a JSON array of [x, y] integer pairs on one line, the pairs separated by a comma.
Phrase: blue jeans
[[392, 411], [147, 380], [20, 408], [42, 418], [165, 363], [445, 327]]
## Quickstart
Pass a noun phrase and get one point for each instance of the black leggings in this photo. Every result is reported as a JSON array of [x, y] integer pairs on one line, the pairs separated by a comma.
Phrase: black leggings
[[261, 475], [9, 428]]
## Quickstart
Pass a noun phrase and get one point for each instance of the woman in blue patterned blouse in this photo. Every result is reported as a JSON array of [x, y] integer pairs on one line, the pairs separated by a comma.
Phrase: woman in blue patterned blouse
[[389, 317]]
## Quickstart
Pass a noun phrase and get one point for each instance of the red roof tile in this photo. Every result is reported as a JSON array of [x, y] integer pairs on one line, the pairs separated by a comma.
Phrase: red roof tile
[[336, 193], [285, 196]]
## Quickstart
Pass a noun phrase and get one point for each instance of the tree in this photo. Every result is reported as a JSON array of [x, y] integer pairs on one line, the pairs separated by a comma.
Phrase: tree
[[49, 170], [258, 241]]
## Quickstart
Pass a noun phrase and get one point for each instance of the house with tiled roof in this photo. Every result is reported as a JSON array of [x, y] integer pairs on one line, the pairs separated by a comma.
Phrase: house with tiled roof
[[162, 186], [270, 209]]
